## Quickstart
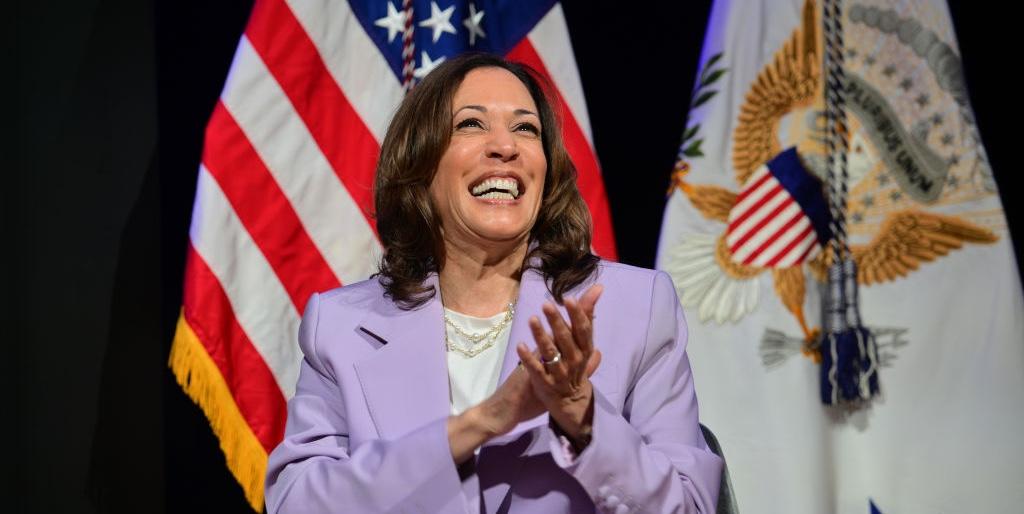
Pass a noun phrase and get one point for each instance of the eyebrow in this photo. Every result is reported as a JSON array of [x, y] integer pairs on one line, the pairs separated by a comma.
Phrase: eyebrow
[[517, 112]]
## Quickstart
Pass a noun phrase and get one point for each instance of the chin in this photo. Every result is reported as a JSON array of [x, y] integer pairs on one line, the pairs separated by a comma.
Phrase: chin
[[503, 234], [506, 219]]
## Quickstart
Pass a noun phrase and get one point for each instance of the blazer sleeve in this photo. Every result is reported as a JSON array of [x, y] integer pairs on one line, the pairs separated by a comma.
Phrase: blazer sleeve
[[651, 457], [314, 470]]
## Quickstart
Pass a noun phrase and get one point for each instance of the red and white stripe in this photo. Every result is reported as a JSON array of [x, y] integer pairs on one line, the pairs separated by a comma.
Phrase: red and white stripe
[[767, 227], [548, 50], [284, 197]]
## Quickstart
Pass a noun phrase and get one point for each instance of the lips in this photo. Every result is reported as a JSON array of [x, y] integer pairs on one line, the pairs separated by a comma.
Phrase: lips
[[497, 188]]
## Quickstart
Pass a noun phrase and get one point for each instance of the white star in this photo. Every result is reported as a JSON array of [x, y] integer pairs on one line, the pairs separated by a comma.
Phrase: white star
[[426, 65], [473, 24], [394, 22], [439, 20]]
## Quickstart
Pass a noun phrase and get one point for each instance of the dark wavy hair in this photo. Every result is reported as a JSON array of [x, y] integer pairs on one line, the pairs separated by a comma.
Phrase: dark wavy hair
[[407, 220]]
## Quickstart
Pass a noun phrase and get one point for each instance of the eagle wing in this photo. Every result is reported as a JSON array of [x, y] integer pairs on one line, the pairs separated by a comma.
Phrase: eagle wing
[[909, 238], [712, 201], [791, 80]]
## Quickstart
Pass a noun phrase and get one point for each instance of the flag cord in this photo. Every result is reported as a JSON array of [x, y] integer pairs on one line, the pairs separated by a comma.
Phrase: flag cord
[[835, 119], [408, 48], [849, 361]]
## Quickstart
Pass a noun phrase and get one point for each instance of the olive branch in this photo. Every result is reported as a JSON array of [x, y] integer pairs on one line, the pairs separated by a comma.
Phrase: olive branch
[[690, 147]]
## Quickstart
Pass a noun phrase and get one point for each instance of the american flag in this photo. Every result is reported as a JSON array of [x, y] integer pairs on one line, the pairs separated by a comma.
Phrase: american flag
[[779, 217], [284, 196]]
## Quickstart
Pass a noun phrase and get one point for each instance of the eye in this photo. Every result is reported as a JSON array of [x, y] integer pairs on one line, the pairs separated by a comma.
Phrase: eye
[[528, 127], [469, 123]]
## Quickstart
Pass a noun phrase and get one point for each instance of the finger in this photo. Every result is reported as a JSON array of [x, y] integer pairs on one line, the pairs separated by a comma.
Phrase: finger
[[581, 336], [547, 349], [562, 335], [581, 326], [545, 345], [589, 299], [533, 366], [593, 363]]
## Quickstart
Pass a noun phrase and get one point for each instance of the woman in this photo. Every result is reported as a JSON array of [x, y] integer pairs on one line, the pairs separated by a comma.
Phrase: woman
[[398, 407]]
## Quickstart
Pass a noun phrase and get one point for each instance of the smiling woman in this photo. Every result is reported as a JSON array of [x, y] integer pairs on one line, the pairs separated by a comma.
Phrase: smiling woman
[[478, 117], [495, 148], [409, 399]]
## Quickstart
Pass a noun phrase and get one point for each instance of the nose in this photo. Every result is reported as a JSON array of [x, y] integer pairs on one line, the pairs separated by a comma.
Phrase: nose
[[501, 145]]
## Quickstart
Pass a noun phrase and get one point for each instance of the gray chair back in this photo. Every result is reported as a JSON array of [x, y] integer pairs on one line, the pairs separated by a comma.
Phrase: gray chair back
[[726, 498]]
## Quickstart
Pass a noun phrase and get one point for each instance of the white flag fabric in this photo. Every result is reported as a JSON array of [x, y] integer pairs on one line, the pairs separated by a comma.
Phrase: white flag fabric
[[938, 283]]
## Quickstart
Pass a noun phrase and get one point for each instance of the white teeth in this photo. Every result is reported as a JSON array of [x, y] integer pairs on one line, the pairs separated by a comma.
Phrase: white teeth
[[497, 195], [509, 187]]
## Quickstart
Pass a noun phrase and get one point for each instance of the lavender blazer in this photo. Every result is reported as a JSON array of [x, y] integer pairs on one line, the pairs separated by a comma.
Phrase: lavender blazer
[[367, 427]]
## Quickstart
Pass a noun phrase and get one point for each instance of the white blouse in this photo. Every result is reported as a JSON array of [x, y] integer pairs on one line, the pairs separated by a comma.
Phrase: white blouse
[[472, 379]]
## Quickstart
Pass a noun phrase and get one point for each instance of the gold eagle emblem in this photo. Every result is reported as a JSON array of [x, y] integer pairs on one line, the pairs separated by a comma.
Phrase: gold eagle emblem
[[906, 238]]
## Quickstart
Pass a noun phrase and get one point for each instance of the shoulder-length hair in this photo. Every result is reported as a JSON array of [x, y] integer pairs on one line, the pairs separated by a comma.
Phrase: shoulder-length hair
[[407, 220]]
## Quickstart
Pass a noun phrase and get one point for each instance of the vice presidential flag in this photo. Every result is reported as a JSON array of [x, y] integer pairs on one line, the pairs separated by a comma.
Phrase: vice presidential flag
[[283, 203], [745, 238]]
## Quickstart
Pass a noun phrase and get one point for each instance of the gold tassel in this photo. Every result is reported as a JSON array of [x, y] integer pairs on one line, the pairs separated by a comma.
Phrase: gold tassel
[[202, 381]]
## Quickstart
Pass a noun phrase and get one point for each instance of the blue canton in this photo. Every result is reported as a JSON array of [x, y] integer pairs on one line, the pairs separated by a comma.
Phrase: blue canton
[[444, 28]]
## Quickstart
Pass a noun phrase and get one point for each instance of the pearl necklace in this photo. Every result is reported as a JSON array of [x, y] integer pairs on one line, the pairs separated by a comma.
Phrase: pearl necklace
[[490, 335]]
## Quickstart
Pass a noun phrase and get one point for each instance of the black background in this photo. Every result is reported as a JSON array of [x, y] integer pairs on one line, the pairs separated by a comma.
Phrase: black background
[[111, 100]]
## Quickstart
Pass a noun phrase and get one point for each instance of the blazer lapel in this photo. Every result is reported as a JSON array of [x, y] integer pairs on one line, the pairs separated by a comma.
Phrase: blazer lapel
[[501, 458], [532, 295], [405, 382]]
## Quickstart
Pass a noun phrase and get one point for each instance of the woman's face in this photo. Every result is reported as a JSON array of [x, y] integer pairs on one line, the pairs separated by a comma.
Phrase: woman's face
[[489, 181]]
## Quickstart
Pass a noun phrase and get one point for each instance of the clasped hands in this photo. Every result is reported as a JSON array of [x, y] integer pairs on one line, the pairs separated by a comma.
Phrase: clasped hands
[[556, 376]]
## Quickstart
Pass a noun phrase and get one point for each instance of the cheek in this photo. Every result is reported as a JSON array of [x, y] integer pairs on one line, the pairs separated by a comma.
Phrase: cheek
[[437, 199], [445, 175], [444, 201], [538, 163], [440, 194], [449, 172], [543, 175]]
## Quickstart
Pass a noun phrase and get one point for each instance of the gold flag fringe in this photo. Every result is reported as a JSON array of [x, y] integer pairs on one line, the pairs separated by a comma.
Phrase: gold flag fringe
[[202, 381]]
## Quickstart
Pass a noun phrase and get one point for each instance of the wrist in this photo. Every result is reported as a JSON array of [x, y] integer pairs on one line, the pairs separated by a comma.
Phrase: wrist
[[578, 440], [576, 420], [465, 434], [480, 423]]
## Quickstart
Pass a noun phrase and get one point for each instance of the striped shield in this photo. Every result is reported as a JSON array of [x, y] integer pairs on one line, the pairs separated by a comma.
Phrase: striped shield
[[780, 217]]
